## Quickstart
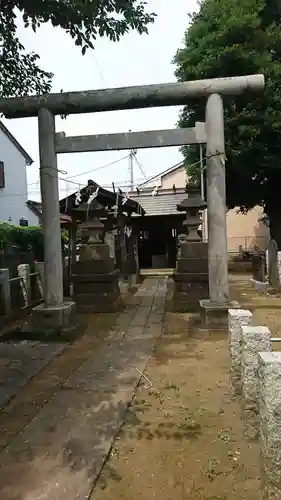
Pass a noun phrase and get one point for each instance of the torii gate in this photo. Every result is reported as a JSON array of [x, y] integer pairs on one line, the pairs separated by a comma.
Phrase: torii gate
[[56, 312]]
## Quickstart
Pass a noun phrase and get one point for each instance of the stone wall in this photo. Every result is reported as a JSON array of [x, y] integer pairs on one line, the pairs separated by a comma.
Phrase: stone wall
[[256, 378]]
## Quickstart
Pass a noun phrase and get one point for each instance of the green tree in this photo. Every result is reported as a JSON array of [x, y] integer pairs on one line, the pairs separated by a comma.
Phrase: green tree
[[233, 38], [83, 20]]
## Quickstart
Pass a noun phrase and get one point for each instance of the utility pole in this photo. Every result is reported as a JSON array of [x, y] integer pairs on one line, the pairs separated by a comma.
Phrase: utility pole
[[204, 214], [131, 169]]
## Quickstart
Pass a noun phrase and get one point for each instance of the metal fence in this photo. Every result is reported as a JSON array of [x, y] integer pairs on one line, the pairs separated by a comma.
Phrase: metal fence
[[18, 293], [244, 244]]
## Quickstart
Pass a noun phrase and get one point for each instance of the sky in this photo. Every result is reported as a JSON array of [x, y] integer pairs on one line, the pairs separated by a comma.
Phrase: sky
[[135, 60]]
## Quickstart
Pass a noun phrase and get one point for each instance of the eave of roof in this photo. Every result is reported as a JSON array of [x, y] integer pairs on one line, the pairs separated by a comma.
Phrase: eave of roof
[[10, 136], [105, 198], [36, 208]]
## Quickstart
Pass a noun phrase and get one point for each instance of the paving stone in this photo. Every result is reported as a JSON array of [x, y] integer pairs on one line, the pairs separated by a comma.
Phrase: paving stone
[[23, 361], [60, 453], [141, 317], [156, 317]]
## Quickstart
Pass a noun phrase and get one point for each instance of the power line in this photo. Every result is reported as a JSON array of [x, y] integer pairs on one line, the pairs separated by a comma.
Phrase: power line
[[99, 68], [87, 172], [71, 182], [139, 165], [121, 184], [99, 168]]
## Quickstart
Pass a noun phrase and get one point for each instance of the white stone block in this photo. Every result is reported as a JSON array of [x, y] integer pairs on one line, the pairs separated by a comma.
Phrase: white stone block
[[25, 283], [255, 339], [259, 286], [236, 319], [269, 373]]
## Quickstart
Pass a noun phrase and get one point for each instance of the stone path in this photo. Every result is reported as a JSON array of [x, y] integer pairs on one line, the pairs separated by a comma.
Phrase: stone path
[[60, 453], [20, 361]]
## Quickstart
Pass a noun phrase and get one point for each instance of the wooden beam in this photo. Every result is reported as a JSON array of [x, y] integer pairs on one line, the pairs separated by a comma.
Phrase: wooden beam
[[131, 140], [145, 96]]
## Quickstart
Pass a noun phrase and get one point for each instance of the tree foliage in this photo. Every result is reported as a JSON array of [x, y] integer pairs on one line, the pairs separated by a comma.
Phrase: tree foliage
[[25, 239], [233, 38], [83, 20]]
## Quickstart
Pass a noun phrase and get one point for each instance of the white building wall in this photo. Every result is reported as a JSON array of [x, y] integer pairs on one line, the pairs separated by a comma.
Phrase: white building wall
[[13, 196]]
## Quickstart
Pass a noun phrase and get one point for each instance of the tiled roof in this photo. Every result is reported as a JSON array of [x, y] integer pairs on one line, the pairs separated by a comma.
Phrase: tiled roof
[[163, 203]]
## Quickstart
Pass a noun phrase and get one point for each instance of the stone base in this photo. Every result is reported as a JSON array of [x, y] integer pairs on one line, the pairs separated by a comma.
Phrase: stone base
[[259, 286], [197, 249], [192, 266], [61, 317], [100, 305], [188, 300], [184, 280], [192, 263], [216, 314], [95, 288]]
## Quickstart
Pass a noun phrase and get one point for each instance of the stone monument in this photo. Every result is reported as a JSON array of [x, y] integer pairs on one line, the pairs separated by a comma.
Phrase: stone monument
[[95, 281], [192, 263]]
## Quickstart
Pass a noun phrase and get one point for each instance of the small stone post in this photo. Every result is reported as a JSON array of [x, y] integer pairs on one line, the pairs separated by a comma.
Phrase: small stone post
[[255, 339], [236, 319], [109, 240], [136, 254], [24, 274], [269, 371], [273, 264], [279, 267], [123, 251], [5, 289]]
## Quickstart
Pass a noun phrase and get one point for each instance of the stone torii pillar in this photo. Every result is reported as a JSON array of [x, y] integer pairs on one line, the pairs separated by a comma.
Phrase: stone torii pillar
[[54, 312], [216, 307], [217, 228]]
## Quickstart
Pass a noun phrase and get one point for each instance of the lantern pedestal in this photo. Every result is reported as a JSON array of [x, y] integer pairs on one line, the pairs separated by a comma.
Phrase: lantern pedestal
[[191, 274], [95, 281]]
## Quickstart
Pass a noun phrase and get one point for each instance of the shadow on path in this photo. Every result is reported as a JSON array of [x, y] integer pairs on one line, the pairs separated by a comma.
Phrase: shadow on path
[[60, 453]]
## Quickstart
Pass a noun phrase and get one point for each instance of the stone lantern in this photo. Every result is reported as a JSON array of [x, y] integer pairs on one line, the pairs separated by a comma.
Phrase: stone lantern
[[95, 280], [191, 274], [192, 206], [91, 232]]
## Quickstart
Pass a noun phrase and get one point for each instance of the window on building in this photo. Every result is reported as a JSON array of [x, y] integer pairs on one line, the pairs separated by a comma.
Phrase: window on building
[[2, 175], [23, 221]]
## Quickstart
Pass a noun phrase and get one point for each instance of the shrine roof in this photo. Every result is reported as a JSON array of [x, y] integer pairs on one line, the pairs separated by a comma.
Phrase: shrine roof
[[163, 203], [68, 205]]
